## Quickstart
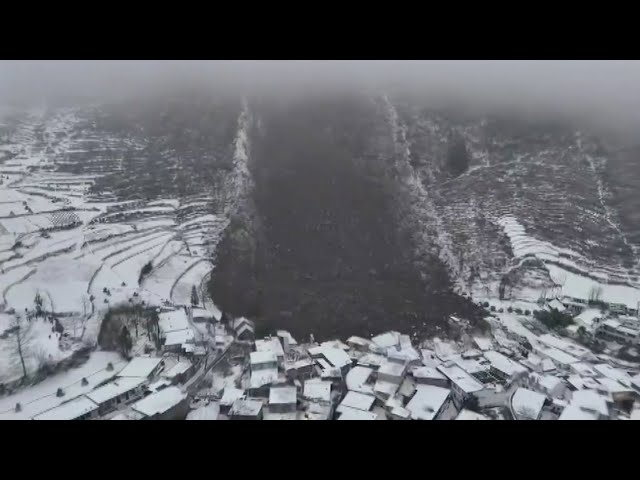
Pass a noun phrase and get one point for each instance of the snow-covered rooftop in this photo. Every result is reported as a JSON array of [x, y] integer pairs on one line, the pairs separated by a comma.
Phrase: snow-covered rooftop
[[587, 316], [230, 395], [427, 402], [405, 354], [549, 382], [263, 377], [173, 320], [371, 360], [357, 378], [392, 369], [159, 402], [357, 400], [114, 389], [178, 369], [585, 405], [584, 369], [386, 340], [207, 412], [483, 343], [358, 341], [270, 345], [504, 364], [470, 415], [460, 378], [385, 388], [527, 404], [337, 357], [140, 367], [246, 408], [427, 372], [179, 337], [69, 410], [557, 305], [347, 413], [258, 358], [564, 345], [317, 390], [613, 373], [282, 395], [557, 355]]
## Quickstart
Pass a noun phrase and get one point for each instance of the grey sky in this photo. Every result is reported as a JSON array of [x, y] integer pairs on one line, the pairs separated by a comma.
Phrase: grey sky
[[605, 89]]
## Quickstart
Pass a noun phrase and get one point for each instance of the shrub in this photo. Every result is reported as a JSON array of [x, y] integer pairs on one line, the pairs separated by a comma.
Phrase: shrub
[[485, 304], [60, 392], [501, 310], [510, 310], [527, 312], [518, 311], [493, 308]]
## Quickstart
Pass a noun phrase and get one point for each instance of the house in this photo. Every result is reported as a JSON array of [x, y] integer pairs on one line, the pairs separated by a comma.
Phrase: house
[[400, 413], [157, 386], [336, 358], [244, 329], [287, 340], [429, 376], [167, 404], [180, 372], [527, 404], [142, 367], [470, 415], [200, 315], [406, 355], [583, 369], [229, 396], [559, 358], [300, 370], [550, 385], [613, 373], [618, 308], [428, 402], [264, 371], [588, 319], [179, 341], [371, 360], [463, 385], [571, 348], [358, 343], [429, 358], [586, 405], [380, 343], [80, 408], [619, 331], [317, 390], [171, 321], [355, 400], [483, 343], [357, 380], [348, 413], [556, 304], [246, 410], [282, 399], [116, 393], [503, 367], [391, 372], [272, 345]]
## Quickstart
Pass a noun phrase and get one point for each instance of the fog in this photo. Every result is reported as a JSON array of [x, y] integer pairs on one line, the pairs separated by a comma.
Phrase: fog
[[605, 91]]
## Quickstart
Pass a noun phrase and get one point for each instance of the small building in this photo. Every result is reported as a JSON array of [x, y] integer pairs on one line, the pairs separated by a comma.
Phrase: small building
[[180, 372], [272, 345], [560, 359], [80, 408], [358, 380], [430, 376], [355, 400], [586, 405], [167, 404], [391, 372], [463, 385], [246, 410], [179, 341], [371, 360], [571, 348], [347, 413], [282, 399], [287, 340], [229, 396], [116, 393], [336, 357], [617, 331], [406, 355], [383, 389], [380, 343], [613, 373], [428, 402], [503, 367], [142, 367], [551, 386], [359, 344], [300, 370], [200, 315], [264, 372], [470, 415], [483, 343], [244, 329], [556, 304], [583, 369], [317, 390], [527, 404]]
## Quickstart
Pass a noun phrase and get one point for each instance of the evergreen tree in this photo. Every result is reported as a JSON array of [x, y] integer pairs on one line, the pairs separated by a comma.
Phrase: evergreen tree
[[194, 296], [458, 157]]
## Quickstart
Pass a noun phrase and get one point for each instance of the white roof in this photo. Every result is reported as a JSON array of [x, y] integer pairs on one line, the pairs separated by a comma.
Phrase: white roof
[[246, 408], [335, 344], [357, 400], [483, 343], [584, 369], [114, 389], [270, 345], [357, 378], [179, 337], [230, 395], [527, 403], [429, 358], [565, 346], [587, 316], [178, 369], [400, 412], [207, 412], [613, 373], [581, 383], [288, 336], [575, 412], [557, 304], [174, 320], [317, 390], [257, 358], [585, 405], [335, 356], [140, 367], [406, 354], [387, 388], [386, 340], [158, 385], [427, 401], [200, 313], [263, 377], [504, 364], [460, 378], [392, 369], [558, 355], [428, 372], [470, 415], [549, 382], [359, 341], [347, 413], [159, 402], [371, 359], [613, 386], [69, 410], [285, 395]]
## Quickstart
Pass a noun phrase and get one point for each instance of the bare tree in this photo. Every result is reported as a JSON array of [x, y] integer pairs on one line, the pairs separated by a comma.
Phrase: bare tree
[[595, 294], [23, 335]]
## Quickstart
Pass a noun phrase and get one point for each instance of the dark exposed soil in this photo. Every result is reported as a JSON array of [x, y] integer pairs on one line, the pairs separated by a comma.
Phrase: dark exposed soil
[[322, 254]]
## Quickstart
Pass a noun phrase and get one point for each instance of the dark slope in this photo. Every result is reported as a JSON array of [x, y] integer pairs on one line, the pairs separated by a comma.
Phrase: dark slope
[[324, 255]]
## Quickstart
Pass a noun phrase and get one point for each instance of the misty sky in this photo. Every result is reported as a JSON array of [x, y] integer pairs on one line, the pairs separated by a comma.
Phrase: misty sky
[[608, 89]]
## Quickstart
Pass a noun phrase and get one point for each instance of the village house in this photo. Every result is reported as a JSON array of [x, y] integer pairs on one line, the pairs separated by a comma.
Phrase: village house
[[347, 413], [317, 390], [503, 367], [429, 376], [380, 343], [358, 379], [272, 345], [470, 415], [167, 404], [282, 399], [359, 344], [586, 405], [336, 358], [180, 372], [200, 315], [264, 372], [571, 348], [428, 402], [113, 394], [300, 370], [560, 359], [142, 367], [463, 385], [80, 408], [624, 332], [355, 400], [246, 410], [527, 404], [245, 330], [229, 396]]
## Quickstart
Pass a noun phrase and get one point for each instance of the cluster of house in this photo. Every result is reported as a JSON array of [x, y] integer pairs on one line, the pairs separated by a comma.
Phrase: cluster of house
[[607, 321], [386, 377], [146, 388]]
